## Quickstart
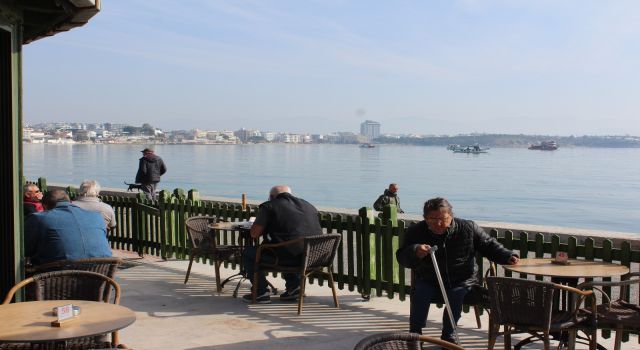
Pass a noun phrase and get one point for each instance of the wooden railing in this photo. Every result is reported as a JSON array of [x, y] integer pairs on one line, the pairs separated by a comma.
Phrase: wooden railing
[[366, 260]]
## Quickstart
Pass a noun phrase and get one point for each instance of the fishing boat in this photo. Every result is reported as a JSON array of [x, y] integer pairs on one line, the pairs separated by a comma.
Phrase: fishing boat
[[471, 149], [545, 146]]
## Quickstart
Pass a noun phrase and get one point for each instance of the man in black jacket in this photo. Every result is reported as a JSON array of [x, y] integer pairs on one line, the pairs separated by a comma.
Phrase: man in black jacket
[[458, 241], [150, 168], [390, 196]]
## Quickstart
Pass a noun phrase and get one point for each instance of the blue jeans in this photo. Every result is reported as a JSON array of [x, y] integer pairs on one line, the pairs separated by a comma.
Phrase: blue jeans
[[423, 294], [292, 280]]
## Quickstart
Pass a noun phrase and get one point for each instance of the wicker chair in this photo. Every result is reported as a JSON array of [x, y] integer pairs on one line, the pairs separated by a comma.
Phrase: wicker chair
[[70, 285], [107, 266], [204, 245], [522, 305], [401, 341], [318, 254], [620, 314]]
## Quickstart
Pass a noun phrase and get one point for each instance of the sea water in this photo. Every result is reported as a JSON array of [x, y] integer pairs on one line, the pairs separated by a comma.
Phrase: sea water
[[590, 188]]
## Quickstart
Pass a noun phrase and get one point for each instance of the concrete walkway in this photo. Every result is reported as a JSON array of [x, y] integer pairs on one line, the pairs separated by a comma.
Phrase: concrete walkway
[[172, 315]]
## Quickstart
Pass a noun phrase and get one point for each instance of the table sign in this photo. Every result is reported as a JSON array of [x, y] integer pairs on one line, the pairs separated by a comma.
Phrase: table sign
[[561, 258], [65, 314]]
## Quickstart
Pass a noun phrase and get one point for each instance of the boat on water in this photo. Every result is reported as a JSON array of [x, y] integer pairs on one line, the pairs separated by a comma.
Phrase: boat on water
[[545, 146], [367, 145], [470, 149]]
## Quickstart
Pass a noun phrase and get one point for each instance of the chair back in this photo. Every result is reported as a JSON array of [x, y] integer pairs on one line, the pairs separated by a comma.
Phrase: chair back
[[69, 285], [521, 302], [106, 266], [401, 341], [199, 231], [320, 250]]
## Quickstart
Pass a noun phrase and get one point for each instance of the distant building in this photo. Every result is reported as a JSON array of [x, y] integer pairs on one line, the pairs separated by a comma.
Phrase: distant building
[[370, 129]]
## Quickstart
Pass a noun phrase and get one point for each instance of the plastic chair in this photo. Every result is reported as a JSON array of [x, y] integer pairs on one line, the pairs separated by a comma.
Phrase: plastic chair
[[318, 253], [522, 305], [203, 244], [620, 314], [70, 285], [401, 341]]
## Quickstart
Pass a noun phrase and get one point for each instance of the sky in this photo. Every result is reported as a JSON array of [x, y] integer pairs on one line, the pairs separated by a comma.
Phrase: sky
[[427, 67]]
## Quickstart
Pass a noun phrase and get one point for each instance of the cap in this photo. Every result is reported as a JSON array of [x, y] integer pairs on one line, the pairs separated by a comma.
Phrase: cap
[[150, 150]]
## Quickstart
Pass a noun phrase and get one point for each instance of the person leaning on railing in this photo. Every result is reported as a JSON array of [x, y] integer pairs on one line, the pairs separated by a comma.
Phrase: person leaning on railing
[[458, 241]]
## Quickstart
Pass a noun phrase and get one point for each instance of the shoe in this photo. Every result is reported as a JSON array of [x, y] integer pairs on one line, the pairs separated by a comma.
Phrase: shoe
[[290, 295], [260, 299], [450, 339]]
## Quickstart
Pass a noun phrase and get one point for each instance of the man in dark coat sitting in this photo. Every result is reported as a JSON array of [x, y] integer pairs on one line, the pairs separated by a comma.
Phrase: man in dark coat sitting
[[458, 241], [283, 218]]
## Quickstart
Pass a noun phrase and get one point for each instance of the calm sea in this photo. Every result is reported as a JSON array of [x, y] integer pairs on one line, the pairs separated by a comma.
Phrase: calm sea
[[590, 188]]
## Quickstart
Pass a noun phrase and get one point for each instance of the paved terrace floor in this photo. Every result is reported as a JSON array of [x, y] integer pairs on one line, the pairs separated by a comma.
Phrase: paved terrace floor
[[172, 315]]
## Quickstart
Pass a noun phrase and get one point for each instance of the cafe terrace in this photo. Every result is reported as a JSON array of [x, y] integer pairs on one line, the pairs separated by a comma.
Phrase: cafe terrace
[[174, 315]]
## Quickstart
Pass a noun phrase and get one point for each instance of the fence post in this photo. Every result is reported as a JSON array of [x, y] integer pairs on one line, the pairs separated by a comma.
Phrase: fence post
[[42, 184]]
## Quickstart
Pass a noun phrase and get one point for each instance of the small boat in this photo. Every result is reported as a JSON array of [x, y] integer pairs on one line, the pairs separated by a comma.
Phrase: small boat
[[470, 149], [367, 145], [545, 146], [453, 147]]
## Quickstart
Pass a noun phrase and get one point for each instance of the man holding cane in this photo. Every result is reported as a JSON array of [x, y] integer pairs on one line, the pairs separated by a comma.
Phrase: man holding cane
[[458, 241]]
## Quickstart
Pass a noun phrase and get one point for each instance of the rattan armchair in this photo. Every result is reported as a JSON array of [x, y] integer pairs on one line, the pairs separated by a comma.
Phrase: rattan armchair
[[318, 254], [70, 285], [204, 245], [107, 266], [621, 314], [526, 306], [401, 341]]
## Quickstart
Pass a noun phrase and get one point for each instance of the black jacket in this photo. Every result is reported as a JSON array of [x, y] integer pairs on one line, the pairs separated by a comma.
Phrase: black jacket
[[150, 169], [385, 199], [456, 254]]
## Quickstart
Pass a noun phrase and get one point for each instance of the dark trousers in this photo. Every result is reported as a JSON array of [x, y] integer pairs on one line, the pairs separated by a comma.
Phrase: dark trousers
[[424, 293], [150, 190], [292, 280]]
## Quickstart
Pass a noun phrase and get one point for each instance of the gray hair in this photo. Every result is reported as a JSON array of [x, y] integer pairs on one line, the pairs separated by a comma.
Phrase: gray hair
[[276, 190], [27, 187], [89, 188]]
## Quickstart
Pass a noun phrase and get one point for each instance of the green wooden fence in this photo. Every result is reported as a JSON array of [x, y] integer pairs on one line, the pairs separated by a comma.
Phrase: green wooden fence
[[366, 260]]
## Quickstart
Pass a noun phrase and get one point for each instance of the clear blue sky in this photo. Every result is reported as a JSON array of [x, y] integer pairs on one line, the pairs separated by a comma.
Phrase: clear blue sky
[[433, 67]]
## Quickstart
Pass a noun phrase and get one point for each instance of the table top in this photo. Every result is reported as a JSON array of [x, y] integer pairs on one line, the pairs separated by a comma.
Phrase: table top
[[238, 225], [575, 269], [31, 321]]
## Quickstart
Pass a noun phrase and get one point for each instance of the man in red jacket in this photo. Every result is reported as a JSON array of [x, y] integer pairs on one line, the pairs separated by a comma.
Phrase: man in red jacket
[[31, 199]]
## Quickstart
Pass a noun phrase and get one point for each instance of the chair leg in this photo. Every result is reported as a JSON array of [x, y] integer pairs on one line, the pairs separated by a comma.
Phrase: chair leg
[[476, 310], [493, 333], [545, 339], [618, 342], [573, 334], [303, 284], [333, 289], [507, 337], [186, 278], [254, 287], [217, 267]]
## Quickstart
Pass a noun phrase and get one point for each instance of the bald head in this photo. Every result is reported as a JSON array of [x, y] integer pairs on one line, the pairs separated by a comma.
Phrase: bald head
[[276, 190]]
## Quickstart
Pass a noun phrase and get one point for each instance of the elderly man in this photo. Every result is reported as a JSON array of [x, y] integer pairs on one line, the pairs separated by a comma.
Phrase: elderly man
[[64, 232], [458, 241], [31, 199], [150, 168], [282, 218], [88, 200], [390, 196]]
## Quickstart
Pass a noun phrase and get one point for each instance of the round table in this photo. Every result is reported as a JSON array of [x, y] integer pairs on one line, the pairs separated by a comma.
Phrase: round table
[[30, 322], [574, 270]]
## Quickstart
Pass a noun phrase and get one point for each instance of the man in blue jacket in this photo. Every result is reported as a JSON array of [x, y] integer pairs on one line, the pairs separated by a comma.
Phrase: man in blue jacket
[[64, 232]]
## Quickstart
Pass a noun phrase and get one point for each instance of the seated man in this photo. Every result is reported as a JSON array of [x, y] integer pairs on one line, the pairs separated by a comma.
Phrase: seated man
[[457, 240], [64, 232], [283, 218], [88, 200], [32, 197]]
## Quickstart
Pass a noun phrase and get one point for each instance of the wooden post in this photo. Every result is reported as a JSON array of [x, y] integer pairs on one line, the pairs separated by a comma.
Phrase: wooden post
[[244, 201]]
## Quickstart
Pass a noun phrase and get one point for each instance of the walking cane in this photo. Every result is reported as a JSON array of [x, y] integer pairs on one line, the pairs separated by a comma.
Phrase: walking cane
[[432, 252]]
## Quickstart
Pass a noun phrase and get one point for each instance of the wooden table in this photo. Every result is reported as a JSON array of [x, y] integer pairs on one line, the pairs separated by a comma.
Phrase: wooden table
[[30, 322], [575, 270], [244, 239]]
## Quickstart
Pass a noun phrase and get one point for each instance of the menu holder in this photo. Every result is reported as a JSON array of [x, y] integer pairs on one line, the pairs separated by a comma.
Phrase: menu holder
[[66, 314]]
